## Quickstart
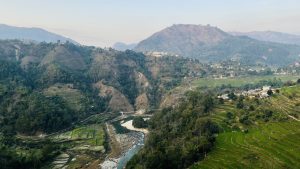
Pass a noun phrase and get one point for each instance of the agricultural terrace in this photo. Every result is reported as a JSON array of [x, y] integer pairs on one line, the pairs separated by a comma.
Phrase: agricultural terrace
[[241, 81], [264, 133]]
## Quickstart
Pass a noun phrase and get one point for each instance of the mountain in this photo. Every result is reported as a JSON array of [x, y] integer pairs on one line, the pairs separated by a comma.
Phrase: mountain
[[123, 46], [182, 39], [78, 81], [211, 44], [271, 36], [31, 34]]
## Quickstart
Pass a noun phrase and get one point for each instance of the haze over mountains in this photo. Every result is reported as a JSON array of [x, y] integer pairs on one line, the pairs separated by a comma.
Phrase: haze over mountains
[[206, 43], [211, 44], [123, 46], [271, 36], [31, 34]]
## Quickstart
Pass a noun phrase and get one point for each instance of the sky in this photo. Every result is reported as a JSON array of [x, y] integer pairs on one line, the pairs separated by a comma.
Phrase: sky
[[104, 22]]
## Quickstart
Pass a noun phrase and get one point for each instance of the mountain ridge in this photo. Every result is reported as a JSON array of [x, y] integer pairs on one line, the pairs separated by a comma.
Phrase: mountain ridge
[[124, 46], [211, 44], [271, 36], [32, 34]]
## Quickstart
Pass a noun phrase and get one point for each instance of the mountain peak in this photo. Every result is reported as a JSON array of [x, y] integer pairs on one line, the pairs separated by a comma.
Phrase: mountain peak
[[181, 38], [196, 33]]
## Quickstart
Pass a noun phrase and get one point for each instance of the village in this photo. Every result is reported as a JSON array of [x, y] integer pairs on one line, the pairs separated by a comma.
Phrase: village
[[263, 92]]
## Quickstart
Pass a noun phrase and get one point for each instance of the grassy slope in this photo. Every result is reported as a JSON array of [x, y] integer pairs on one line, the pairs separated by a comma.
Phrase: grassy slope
[[237, 82], [73, 97], [266, 145]]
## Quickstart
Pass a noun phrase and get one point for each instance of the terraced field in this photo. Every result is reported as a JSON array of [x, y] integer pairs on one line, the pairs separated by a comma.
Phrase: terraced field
[[92, 135], [84, 144], [272, 144], [240, 81]]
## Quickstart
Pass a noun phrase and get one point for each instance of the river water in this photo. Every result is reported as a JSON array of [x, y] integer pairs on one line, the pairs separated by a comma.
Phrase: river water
[[131, 152]]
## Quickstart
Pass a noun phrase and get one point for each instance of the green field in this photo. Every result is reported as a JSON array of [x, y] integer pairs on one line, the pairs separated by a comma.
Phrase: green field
[[92, 135], [271, 144], [240, 81]]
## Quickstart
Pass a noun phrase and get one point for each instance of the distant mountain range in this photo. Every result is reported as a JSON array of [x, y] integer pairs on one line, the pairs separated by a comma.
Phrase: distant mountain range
[[123, 46], [31, 34], [211, 44], [271, 36]]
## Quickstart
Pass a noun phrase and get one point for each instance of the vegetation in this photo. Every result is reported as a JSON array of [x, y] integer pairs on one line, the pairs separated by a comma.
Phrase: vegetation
[[32, 155], [260, 137], [259, 133], [246, 82], [179, 137], [51, 88], [270, 145], [139, 122]]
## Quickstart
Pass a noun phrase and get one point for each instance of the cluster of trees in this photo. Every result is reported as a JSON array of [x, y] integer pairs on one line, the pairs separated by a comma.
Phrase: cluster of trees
[[139, 122], [179, 137], [32, 158], [25, 109]]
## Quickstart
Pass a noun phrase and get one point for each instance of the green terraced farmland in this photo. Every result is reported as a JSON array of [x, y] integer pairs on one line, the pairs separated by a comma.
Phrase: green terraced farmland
[[270, 145], [240, 81], [92, 135], [274, 143]]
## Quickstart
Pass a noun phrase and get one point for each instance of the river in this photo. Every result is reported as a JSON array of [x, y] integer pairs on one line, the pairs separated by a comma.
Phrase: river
[[121, 161], [131, 152]]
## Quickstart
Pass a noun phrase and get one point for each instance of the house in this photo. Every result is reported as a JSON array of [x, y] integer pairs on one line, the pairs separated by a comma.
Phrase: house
[[224, 97]]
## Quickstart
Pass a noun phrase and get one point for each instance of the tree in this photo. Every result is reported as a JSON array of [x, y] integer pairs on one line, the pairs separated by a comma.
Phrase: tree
[[270, 92], [232, 96], [229, 115], [139, 122]]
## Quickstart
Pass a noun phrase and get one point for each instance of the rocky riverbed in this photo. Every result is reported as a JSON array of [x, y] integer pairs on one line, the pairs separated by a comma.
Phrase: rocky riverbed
[[123, 146]]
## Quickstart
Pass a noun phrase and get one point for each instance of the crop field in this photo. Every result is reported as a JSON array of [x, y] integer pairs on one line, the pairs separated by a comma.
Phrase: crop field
[[272, 144], [84, 144], [240, 81], [92, 135]]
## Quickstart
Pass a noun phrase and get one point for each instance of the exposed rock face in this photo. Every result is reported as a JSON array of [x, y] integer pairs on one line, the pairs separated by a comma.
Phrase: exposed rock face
[[142, 82], [117, 102], [27, 60], [142, 102], [174, 97]]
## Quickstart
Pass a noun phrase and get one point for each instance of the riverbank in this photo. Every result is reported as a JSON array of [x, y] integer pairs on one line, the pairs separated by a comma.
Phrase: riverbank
[[129, 126], [123, 147]]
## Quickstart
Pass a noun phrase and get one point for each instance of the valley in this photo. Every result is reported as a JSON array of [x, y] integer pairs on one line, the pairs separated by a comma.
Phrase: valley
[[70, 106]]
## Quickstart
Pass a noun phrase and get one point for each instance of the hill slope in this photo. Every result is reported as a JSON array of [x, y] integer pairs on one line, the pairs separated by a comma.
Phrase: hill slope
[[80, 81], [210, 44], [203, 132], [31, 34], [271, 36]]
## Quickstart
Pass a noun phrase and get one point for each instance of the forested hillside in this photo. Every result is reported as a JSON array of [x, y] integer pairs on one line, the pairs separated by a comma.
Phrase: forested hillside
[[206, 132], [46, 87]]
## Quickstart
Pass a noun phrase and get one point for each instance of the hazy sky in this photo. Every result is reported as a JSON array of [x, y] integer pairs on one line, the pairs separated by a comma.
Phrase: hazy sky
[[103, 22]]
